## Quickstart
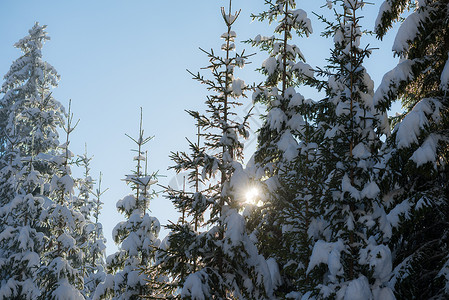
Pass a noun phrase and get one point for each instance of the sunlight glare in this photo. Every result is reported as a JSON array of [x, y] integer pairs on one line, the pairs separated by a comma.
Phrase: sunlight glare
[[252, 195]]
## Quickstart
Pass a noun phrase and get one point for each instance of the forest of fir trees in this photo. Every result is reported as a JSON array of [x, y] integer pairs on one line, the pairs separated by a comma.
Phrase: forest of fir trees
[[352, 204]]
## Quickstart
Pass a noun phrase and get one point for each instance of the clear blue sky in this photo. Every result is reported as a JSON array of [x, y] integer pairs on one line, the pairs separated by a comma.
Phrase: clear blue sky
[[117, 56]]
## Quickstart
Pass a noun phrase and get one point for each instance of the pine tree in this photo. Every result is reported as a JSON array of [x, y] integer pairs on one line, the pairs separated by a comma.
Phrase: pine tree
[[137, 235], [29, 120], [177, 256], [220, 259], [59, 277], [96, 272], [287, 144], [91, 240], [418, 147], [20, 237], [27, 107], [352, 259]]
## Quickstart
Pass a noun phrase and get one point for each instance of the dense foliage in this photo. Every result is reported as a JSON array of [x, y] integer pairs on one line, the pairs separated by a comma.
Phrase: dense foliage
[[351, 203]]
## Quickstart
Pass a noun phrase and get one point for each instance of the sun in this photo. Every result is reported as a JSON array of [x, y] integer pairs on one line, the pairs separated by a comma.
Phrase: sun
[[252, 195]]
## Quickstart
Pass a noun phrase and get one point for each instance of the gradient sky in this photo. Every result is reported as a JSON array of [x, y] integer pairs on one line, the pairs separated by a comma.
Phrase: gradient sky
[[117, 56]]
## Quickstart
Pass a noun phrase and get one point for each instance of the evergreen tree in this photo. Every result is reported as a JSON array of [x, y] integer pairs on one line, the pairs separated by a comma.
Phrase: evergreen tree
[[21, 242], [177, 256], [286, 146], [214, 257], [27, 108], [91, 240], [29, 120], [59, 277], [137, 235], [352, 259], [95, 256], [418, 147]]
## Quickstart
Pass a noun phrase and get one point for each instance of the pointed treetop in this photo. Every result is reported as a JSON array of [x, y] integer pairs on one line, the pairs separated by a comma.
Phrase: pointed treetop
[[37, 36]]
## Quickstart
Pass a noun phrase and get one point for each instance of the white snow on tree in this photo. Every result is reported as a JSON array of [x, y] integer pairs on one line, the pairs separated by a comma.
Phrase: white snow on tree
[[351, 259], [91, 240], [214, 257], [417, 150], [60, 279], [287, 145], [30, 119], [137, 236]]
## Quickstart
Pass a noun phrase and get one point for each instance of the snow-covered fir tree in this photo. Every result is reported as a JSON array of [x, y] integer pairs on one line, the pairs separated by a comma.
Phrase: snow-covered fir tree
[[21, 242], [137, 236], [30, 119], [91, 240], [58, 275], [286, 146], [418, 147], [213, 257], [27, 107], [177, 256], [351, 259], [96, 254]]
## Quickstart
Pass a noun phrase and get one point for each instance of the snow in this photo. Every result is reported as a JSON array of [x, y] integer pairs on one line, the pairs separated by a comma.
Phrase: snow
[[276, 278], [408, 131], [408, 31], [383, 294], [444, 79], [391, 81], [304, 69], [379, 258], [361, 151], [343, 108], [402, 208], [237, 86], [327, 253], [296, 100], [270, 65], [67, 241], [427, 152], [195, 288], [296, 123], [66, 291], [32, 258], [358, 289], [239, 179], [346, 186], [288, 145], [128, 203], [444, 272], [235, 230], [104, 286], [384, 8], [276, 118], [301, 20], [370, 191], [64, 183]]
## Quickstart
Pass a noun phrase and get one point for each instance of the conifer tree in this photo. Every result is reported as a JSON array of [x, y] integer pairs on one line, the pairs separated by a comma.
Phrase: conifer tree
[[58, 275], [29, 120], [177, 257], [285, 69], [91, 240], [221, 261], [352, 259], [96, 254], [286, 146], [418, 147], [21, 241], [137, 235], [27, 108]]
